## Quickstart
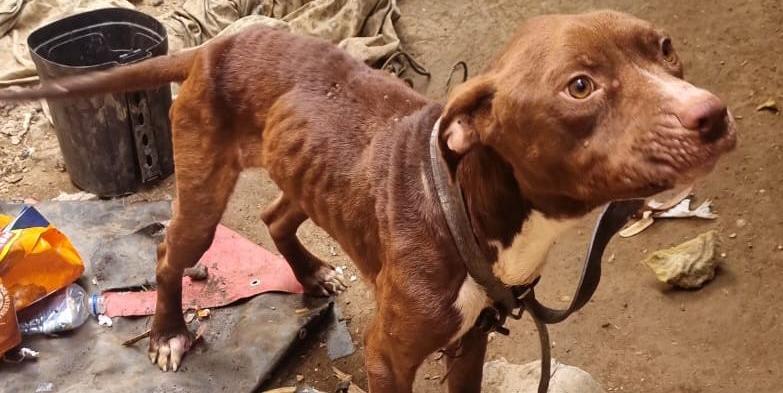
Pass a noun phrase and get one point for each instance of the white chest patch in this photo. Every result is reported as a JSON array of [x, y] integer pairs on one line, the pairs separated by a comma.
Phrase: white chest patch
[[522, 261], [517, 264], [470, 301]]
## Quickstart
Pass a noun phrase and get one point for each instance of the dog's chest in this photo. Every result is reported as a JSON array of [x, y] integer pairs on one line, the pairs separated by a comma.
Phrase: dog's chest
[[517, 264]]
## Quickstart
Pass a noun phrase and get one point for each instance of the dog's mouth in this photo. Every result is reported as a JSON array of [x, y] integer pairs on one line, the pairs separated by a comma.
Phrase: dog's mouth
[[680, 156], [672, 157]]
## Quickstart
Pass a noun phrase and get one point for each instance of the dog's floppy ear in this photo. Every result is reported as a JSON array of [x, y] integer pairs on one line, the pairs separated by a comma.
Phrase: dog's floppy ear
[[468, 108]]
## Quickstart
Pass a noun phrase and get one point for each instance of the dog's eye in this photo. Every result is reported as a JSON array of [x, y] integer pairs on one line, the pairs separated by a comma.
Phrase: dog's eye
[[580, 87], [667, 50]]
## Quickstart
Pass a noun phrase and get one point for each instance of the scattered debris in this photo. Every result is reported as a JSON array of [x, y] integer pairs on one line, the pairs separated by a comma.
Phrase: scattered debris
[[678, 206], [683, 210], [638, 226], [288, 389], [671, 202], [136, 338], [13, 178], [104, 321], [197, 273], [76, 196], [341, 375], [44, 387], [345, 384], [28, 117], [500, 376], [203, 313], [21, 355], [688, 265], [769, 105]]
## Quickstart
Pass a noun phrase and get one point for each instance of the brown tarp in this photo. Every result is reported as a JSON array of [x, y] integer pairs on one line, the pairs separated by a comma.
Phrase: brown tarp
[[364, 28]]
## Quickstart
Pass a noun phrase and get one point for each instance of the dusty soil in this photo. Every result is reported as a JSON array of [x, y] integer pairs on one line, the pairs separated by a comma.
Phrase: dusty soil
[[637, 335]]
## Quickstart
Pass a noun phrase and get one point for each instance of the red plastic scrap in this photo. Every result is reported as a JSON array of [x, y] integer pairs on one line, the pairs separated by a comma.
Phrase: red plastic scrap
[[238, 269]]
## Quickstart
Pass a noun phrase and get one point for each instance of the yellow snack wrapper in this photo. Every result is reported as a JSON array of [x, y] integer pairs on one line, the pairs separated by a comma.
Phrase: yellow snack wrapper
[[36, 259]]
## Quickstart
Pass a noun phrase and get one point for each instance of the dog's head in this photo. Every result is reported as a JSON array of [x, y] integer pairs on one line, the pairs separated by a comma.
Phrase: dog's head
[[590, 108]]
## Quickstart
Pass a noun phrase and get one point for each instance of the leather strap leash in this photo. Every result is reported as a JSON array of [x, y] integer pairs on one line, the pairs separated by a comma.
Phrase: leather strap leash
[[512, 301]]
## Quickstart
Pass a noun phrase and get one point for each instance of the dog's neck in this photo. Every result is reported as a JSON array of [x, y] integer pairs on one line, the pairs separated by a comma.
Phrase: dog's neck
[[513, 230]]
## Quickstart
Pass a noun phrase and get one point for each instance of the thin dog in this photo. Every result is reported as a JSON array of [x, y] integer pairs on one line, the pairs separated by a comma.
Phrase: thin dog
[[576, 111]]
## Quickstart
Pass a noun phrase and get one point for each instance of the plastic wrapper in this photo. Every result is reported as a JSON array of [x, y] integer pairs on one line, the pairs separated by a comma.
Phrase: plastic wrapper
[[9, 331], [36, 259]]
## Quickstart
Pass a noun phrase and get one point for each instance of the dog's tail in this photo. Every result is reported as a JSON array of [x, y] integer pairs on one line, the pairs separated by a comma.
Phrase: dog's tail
[[147, 74]]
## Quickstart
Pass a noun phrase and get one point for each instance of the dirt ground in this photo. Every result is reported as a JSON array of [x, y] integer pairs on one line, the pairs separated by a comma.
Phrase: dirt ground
[[636, 335]]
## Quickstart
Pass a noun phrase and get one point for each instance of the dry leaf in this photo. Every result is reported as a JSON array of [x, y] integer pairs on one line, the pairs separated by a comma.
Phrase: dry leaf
[[638, 226], [671, 202], [769, 105], [341, 375]]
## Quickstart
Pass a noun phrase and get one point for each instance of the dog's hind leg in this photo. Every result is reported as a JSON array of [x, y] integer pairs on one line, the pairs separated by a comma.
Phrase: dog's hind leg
[[283, 218], [207, 168]]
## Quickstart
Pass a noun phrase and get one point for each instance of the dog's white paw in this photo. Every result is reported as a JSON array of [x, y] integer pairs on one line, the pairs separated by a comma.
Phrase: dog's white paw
[[168, 353], [324, 282]]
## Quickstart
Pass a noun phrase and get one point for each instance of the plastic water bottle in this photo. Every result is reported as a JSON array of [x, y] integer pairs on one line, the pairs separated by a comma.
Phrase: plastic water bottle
[[64, 310]]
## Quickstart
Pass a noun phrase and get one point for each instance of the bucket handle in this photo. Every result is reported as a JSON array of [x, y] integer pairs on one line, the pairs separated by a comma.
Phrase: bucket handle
[[133, 56], [143, 136]]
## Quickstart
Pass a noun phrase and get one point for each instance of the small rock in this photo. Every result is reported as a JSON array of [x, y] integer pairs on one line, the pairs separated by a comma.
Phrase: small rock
[[732, 235], [688, 265], [500, 376], [780, 247], [741, 223], [197, 273], [299, 377], [156, 3]]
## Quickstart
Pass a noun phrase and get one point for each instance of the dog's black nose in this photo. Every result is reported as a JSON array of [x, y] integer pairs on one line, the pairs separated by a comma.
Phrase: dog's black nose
[[706, 114]]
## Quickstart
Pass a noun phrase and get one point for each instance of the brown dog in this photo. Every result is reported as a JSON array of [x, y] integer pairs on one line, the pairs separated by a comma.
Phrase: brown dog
[[575, 112]]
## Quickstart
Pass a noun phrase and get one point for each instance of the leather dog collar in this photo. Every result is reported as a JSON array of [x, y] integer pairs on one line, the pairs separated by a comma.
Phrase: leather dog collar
[[511, 301]]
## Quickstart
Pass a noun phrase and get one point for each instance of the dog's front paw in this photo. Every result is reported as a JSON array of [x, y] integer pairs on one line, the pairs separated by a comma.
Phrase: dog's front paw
[[167, 351], [325, 281]]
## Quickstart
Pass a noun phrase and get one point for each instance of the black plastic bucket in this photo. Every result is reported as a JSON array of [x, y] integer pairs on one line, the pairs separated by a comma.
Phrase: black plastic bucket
[[113, 143]]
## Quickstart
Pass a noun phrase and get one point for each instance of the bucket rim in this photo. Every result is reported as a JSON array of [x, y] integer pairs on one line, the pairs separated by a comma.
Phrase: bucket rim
[[111, 16]]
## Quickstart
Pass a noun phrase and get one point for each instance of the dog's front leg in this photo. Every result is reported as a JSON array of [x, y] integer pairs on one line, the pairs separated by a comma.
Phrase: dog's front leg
[[465, 362], [206, 172]]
